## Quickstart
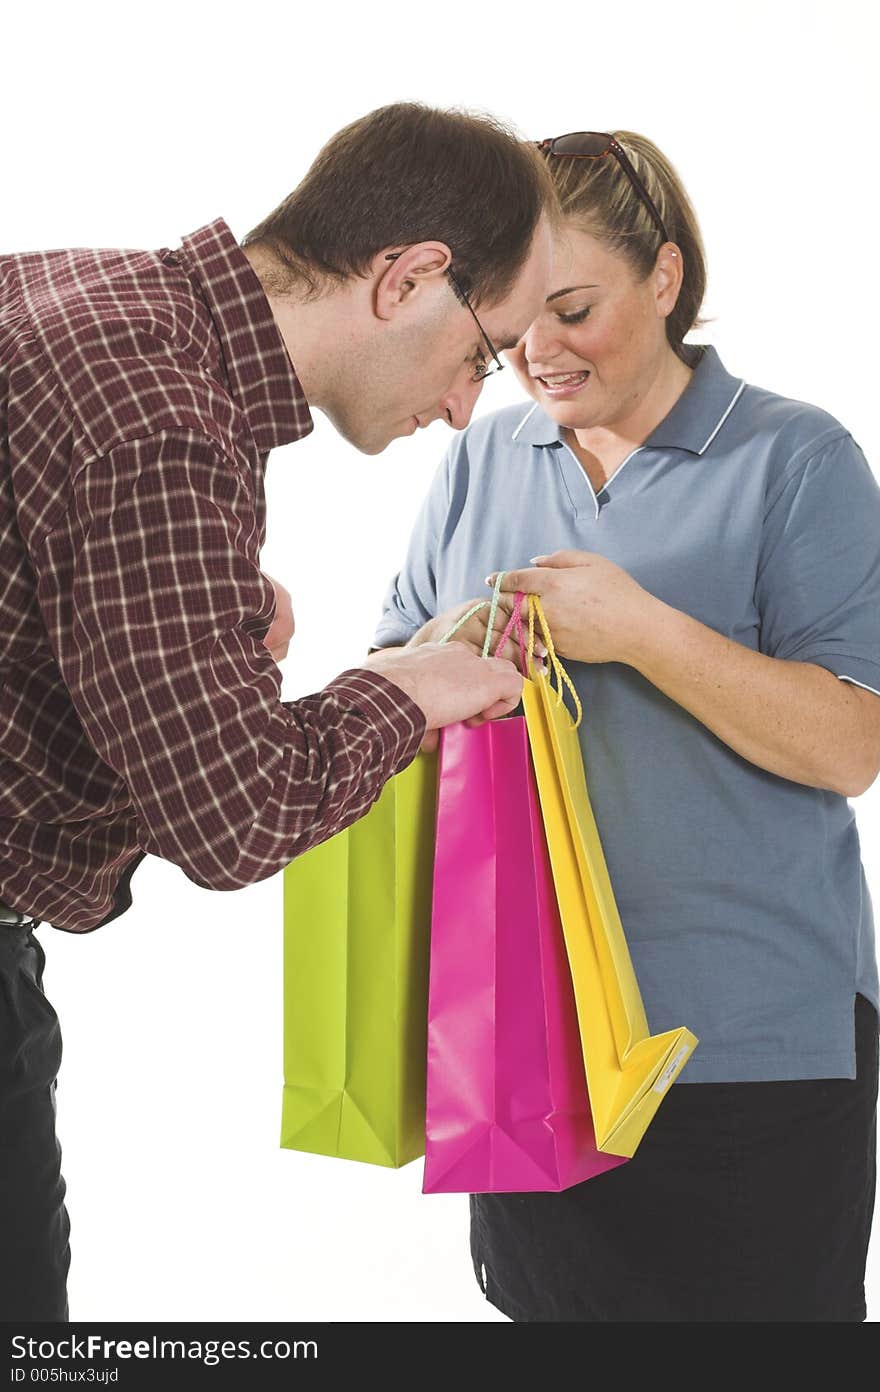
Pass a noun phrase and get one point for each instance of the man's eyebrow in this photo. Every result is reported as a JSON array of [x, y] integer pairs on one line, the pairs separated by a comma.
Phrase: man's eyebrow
[[557, 294], [509, 341]]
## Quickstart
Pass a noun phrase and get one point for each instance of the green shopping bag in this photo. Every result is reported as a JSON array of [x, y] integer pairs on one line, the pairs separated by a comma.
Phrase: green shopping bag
[[357, 919]]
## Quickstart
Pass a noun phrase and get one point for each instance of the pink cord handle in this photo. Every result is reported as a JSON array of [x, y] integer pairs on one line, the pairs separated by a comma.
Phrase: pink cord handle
[[515, 621]]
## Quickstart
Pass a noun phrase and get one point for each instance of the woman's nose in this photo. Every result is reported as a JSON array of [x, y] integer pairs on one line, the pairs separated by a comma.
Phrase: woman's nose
[[540, 343]]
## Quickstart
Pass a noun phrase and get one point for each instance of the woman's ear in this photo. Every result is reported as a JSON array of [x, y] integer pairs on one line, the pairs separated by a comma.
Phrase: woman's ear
[[668, 276]]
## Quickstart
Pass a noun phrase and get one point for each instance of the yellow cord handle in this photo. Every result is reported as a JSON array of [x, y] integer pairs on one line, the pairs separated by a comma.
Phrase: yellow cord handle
[[536, 609]]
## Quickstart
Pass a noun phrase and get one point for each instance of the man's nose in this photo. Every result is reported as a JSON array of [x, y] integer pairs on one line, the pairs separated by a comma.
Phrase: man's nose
[[459, 402]]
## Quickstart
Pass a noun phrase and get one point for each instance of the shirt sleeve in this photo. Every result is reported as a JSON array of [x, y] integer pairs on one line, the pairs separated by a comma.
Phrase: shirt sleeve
[[818, 588], [176, 690], [411, 598]]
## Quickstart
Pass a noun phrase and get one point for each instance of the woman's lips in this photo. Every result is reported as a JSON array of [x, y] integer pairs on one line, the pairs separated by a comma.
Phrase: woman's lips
[[560, 384]]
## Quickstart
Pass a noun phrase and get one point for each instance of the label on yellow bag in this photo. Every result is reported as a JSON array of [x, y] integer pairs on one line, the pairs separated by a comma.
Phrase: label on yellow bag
[[671, 1069]]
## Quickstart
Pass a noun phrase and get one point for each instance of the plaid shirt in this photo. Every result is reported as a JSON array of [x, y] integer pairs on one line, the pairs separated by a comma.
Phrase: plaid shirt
[[140, 393]]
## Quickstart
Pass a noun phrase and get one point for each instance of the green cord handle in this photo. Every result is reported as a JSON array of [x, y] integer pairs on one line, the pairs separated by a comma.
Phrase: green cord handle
[[536, 611], [475, 609]]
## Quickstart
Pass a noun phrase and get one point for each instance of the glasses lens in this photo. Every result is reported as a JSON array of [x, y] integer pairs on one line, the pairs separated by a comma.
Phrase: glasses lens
[[591, 144]]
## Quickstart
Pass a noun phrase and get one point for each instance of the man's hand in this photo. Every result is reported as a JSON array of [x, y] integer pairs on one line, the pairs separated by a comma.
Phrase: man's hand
[[277, 640], [450, 683]]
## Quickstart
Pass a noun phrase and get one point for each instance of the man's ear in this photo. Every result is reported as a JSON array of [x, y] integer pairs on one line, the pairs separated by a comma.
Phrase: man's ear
[[400, 276]]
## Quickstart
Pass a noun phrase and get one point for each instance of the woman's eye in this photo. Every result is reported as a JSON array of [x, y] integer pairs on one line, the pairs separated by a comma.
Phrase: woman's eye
[[577, 317]]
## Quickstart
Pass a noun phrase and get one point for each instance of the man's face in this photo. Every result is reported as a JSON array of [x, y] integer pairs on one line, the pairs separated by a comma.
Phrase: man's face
[[423, 365]]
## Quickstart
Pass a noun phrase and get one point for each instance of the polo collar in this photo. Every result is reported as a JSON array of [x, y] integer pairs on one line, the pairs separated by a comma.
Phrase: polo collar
[[692, 424], [261, 377]]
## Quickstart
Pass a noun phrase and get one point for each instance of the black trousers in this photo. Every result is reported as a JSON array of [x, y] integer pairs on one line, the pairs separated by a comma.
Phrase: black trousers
[[34, 1250], [744, 1202]]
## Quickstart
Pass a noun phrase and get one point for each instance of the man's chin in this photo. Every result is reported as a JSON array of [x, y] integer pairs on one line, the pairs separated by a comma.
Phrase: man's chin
[[365, 444], [365, 441], [375, 444], [372, 446]]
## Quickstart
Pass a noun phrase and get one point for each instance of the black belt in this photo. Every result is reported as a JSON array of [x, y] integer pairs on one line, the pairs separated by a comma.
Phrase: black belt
[[13, 919]]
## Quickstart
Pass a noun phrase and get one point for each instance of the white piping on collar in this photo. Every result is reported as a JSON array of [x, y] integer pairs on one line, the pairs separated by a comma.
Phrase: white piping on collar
[[736, 396], [858, 683], [610, 478], [523, 421], [734, 399]]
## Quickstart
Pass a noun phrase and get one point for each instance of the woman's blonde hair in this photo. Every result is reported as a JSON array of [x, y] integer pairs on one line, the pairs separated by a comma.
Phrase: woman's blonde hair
[[599, 197]]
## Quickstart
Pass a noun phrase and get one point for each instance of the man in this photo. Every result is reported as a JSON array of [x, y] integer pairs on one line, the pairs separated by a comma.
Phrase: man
[[140, 394]]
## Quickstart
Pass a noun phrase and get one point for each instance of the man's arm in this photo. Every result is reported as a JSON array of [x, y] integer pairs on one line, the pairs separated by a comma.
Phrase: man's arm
[[177, 692]]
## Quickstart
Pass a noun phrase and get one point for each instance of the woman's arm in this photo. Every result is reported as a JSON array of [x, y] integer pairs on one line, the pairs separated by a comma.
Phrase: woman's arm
[[792, 718], [795, 719], [817, 597]]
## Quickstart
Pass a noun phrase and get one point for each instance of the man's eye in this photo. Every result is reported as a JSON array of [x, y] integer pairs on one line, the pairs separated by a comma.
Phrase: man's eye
[[480, 368], [577, 317]]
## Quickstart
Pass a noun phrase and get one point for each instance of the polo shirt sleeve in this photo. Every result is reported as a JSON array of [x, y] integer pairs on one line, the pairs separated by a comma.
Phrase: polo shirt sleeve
[[818, 587], [411, 598]]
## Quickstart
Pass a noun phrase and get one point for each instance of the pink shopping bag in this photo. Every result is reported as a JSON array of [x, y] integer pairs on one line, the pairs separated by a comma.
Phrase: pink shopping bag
[[507, 1104]]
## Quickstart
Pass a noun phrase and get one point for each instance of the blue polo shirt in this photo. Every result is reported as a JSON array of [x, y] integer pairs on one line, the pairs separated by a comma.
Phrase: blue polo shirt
[[741, 893]]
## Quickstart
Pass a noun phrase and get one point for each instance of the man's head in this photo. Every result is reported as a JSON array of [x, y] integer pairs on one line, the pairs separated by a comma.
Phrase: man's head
[[355, 263]]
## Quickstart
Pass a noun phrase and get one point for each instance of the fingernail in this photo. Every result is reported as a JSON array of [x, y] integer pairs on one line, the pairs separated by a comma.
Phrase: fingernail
[[536, 560], [490, 580]]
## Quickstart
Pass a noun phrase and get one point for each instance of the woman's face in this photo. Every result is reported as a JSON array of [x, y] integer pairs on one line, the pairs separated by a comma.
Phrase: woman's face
[[592, 355]]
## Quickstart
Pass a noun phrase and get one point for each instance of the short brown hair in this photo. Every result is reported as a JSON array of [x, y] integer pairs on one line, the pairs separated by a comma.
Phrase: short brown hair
[[409, 173], [597, 195]]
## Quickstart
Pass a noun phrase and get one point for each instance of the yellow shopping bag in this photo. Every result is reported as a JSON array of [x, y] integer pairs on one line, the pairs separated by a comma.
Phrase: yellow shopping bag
[[628, 1069]]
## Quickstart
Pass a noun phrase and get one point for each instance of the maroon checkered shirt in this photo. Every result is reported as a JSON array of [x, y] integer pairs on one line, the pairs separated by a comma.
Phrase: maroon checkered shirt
[[140, 393]]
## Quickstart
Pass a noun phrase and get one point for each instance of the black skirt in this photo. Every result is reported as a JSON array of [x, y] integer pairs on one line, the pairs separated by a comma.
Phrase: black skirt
[[744, 1201]]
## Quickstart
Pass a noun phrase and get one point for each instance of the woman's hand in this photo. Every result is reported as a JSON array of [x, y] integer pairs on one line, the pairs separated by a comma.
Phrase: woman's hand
[[774, 712], [473, 633], [595, 611]]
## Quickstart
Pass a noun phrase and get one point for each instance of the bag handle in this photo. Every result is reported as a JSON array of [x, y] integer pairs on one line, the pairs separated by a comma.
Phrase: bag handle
[[536, 610], [515, 622], [492, 606]]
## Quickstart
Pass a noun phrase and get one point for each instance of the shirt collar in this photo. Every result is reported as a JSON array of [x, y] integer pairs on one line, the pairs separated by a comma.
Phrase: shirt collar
[[692, 424], [261, 376]]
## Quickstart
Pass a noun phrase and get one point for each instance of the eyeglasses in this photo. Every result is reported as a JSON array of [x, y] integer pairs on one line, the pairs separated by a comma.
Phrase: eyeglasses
[[596, 145], [482, 371]]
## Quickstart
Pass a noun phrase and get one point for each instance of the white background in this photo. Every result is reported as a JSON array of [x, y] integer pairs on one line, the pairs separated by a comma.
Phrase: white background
[[133, 125]]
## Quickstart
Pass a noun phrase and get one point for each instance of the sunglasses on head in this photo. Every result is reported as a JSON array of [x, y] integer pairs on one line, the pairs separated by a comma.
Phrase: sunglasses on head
[[596, 145]]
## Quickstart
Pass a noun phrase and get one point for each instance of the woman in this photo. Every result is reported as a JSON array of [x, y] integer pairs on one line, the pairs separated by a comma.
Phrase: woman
[[708, 555]]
